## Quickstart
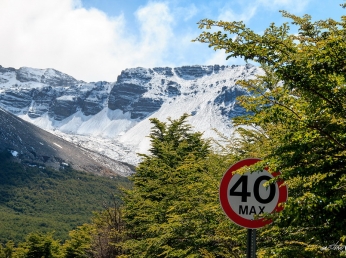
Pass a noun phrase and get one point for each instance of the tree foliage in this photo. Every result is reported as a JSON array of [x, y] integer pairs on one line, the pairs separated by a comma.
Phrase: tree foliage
[[173, 208], [108, 233], [102, 238], [39, 245], [43, 199], [296, 123], [79, 243]]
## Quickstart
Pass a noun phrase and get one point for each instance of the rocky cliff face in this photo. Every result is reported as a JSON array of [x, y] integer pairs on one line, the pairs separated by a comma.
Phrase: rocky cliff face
[[36, 147], [138, 91], [141, 91], [39, 91], [120, 110]]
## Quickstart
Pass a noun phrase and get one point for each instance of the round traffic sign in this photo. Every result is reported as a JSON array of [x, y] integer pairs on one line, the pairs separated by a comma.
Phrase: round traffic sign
[[244, 196]]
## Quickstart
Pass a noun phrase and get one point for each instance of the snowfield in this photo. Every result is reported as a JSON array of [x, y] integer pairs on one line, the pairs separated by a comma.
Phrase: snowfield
[[208, 96]]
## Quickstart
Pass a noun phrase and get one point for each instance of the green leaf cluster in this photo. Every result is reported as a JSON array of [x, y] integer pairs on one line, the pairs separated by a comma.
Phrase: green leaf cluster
[[173, 208], [42, 199], [103, 237], [296, 124]]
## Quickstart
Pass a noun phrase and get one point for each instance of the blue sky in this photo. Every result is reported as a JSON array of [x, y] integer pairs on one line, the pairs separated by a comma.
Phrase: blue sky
[[96, 39]]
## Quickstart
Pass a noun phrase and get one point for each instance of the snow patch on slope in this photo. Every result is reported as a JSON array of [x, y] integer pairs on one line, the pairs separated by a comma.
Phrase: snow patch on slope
[[115, 134]]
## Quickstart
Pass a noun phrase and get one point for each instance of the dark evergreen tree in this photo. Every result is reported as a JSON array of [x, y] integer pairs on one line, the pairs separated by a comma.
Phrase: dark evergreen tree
[[79, 243], [173, 208], [297, 124], [39, 245]]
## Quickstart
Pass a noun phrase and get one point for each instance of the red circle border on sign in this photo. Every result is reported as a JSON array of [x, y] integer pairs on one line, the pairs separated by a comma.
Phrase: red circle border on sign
[[223, 193]]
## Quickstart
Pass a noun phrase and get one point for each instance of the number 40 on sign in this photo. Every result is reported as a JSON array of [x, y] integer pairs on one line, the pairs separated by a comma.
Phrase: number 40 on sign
[[244, 196]]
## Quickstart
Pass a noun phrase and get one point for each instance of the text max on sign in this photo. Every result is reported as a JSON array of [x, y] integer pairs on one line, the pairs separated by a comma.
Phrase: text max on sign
[[244, 196]]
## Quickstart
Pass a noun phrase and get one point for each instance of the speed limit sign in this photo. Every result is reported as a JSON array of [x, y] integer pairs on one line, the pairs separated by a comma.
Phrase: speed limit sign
[[244, 196]]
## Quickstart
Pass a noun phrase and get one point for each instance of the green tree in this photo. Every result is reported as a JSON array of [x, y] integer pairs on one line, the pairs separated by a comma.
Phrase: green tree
[[79, 243], [173, 208], [108, 233], [39, 245], [7, 250], [296, 124]]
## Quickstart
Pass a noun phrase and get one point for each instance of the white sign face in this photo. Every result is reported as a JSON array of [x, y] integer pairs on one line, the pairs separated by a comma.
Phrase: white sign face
[[242, 197], [248, 197]]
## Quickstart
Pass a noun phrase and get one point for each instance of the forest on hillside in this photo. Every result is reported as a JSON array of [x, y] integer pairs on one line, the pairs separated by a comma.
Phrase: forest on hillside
[[34, 198]]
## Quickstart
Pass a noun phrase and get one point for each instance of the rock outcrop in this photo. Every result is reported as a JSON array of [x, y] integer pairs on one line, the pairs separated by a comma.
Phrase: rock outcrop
[[117, 113], [36, 147]]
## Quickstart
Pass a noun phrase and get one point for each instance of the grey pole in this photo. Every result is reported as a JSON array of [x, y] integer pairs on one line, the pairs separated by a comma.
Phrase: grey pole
[[248, 244], [253, 240], [251, 243]]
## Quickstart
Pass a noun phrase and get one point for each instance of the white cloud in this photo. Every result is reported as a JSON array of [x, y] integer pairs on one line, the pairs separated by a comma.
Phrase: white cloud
[[228, 14], [91, 46], [156, 32], [220, 58], [296, 6], [247, 10], [86, 44], [187, 12]]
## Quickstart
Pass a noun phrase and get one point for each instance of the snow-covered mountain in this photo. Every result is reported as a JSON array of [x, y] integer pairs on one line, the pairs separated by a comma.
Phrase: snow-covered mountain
[[35, 147], [112, 118]]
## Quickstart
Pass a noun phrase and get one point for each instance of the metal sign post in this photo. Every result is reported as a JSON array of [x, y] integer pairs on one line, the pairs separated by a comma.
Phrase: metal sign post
[[251, 243], [244, 196]]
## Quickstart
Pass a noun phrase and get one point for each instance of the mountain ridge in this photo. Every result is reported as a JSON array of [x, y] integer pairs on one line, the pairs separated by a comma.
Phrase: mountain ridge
[[36, 147], [112, 118]]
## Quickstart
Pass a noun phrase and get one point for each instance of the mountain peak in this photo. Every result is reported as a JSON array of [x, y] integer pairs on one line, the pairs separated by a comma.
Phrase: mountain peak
[[37, 147], [113, 118]]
